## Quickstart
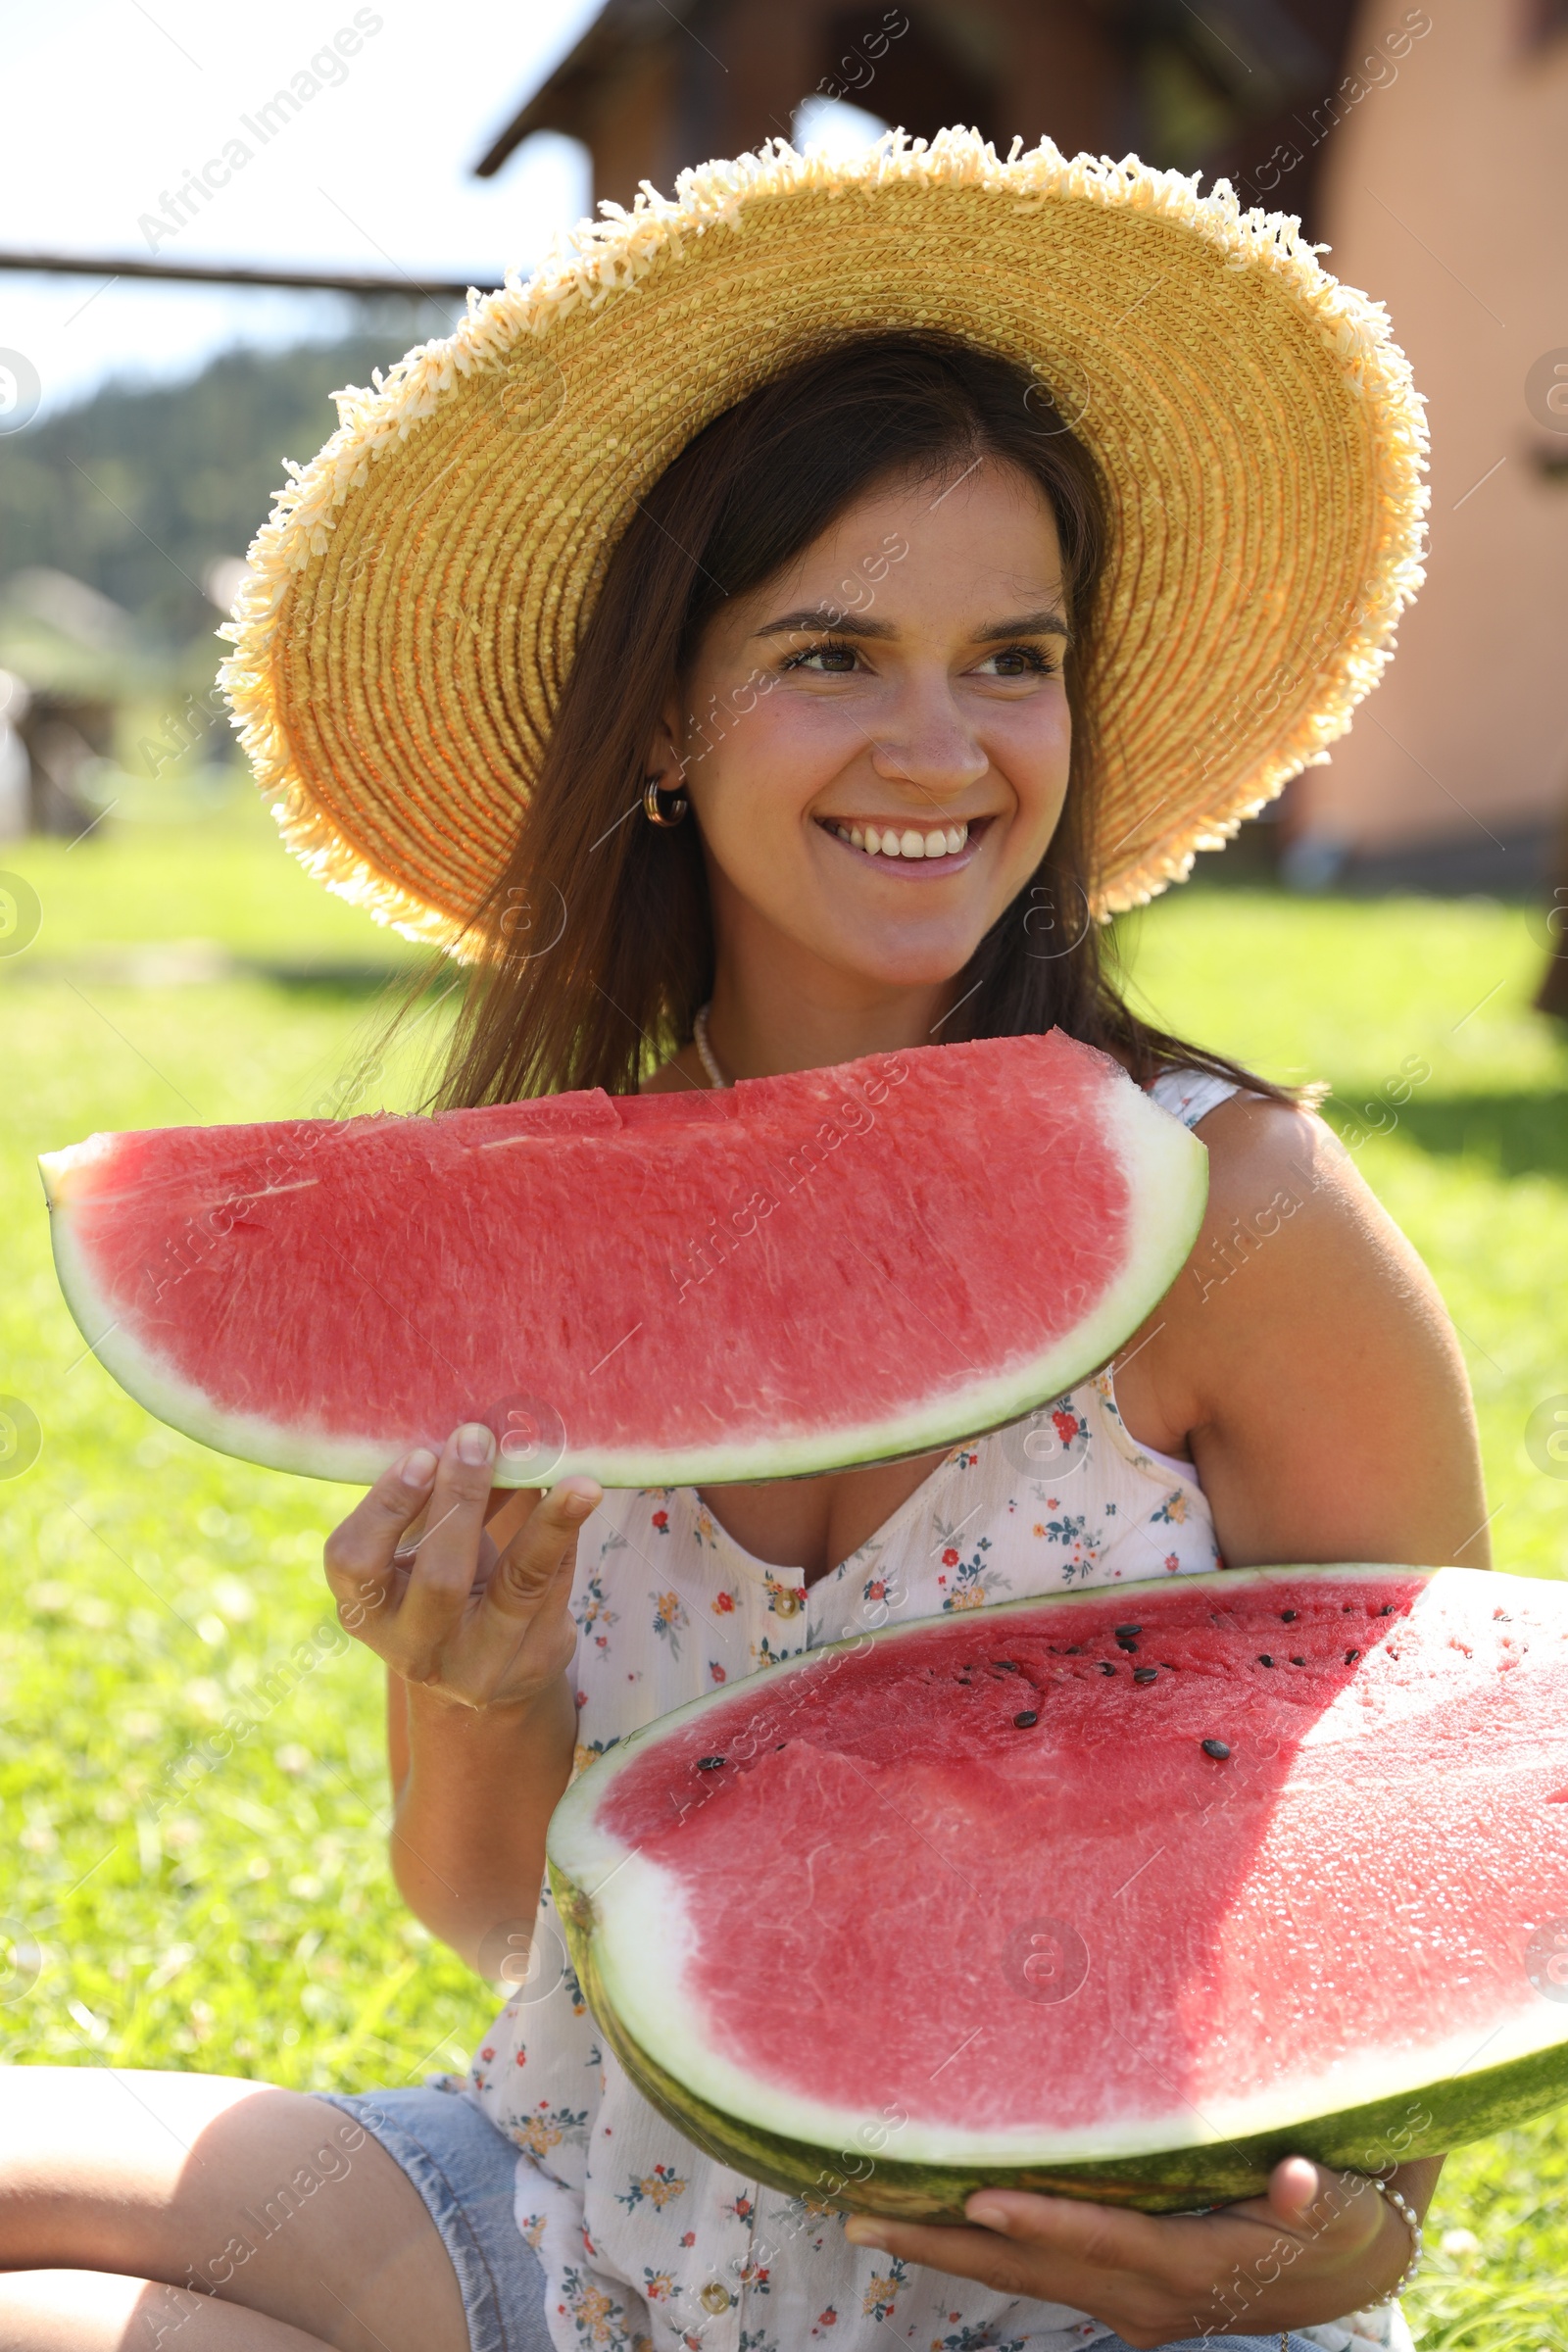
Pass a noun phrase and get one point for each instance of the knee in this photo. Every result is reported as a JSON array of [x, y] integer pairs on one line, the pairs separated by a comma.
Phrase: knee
[[83, 2311]]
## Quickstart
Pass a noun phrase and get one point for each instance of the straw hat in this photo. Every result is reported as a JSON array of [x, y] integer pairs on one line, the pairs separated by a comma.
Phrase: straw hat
[[413, 605]]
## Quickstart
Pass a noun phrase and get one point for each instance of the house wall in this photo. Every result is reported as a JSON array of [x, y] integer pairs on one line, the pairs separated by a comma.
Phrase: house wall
[[1446, 196]]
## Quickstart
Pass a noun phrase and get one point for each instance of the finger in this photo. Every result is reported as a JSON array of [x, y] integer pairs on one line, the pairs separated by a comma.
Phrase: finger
[[1294, 2187], [977, 2254], [1102, 2237], [357, 1554], [1343, 2209], [543, 1550], [443, 1564], [1178, 2254]]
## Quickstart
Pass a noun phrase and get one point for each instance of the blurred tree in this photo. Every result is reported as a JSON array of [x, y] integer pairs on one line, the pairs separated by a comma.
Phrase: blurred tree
[[141, 490]]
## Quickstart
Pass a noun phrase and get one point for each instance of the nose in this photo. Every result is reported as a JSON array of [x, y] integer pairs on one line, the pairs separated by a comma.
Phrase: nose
[[926, 741]]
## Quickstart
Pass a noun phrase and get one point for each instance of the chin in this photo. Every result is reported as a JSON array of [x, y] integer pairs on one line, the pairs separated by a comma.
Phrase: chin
[[906, 964]]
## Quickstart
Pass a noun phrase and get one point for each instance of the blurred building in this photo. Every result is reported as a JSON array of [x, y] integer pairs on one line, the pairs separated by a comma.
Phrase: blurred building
[[1429, 148], [67, 659], [653, 86], [1446, 195]]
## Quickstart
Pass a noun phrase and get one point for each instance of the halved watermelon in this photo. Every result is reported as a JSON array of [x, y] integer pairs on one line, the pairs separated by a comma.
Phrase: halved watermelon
[[838, 1266], [1122, 1894]]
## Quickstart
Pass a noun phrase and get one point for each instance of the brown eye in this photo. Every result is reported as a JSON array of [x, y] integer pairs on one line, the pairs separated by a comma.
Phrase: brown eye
[[835, 661], [1019, 661]]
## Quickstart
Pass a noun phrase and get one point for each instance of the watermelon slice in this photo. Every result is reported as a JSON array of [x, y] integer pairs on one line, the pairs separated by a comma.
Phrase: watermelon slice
[[839, 1266], [1122, 1894]]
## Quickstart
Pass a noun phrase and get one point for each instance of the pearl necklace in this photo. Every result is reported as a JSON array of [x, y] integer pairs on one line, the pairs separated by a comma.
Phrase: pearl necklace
[[704, 1051]]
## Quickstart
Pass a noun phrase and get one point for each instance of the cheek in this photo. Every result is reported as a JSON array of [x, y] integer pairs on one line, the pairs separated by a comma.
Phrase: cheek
[[768, 765], [1032, 745]]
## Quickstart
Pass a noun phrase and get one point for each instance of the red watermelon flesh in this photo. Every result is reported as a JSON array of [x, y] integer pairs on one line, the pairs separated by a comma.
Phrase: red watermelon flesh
[[795, 1273], [972, 1875]]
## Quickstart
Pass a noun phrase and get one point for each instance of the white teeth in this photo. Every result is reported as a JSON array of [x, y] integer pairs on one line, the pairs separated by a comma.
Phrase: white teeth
[[938, 843]]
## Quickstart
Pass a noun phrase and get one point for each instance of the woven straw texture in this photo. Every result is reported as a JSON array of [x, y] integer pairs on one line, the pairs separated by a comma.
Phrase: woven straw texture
[[413, 603]]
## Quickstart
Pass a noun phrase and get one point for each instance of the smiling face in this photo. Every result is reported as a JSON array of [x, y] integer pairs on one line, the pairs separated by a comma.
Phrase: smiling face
[[876, 742]]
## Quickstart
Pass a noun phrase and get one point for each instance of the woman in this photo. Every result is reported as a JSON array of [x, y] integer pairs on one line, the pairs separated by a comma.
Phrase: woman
[[870, 586]]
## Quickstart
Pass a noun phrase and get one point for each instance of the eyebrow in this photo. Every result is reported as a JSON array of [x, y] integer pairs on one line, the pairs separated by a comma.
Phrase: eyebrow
[[1047, 621]]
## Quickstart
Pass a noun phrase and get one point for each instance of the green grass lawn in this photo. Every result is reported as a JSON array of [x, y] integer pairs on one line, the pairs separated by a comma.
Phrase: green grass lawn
[[165, 1908]]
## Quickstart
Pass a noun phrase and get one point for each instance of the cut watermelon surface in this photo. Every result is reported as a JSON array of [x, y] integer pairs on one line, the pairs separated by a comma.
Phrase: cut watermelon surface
[[1126, 1895], [791, 1275]]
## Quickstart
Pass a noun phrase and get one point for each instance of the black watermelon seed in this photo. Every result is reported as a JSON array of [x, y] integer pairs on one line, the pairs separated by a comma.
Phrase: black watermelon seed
[[1105, 1666], [1127, 1629], [1387, 1610], [1351, 1656], [1217, 1749], [1264, 1659], [709, 1763], [1024, 1720], [1008, 1665], [1298, 1662], [1145, 1673], [1126, 1643], [1289, 1616], [1074, 1650]]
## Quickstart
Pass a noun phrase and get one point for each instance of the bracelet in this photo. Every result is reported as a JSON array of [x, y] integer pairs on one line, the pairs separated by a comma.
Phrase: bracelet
[[1412, 2222]]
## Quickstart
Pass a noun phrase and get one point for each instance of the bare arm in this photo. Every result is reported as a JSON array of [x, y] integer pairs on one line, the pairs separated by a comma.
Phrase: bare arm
[[468, 1837], [1306, 1359], [478, 1637]]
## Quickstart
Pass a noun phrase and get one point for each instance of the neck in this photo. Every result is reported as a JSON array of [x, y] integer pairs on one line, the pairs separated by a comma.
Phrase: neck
[[761, 1026]]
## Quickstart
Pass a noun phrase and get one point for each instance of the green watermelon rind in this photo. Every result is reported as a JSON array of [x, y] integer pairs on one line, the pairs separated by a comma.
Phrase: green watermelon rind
[[1371, 2138], [1421, 2116], [1167, 1173]]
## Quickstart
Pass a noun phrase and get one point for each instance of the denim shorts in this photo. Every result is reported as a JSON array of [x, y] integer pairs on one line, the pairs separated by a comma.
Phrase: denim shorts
[[465, 2170]]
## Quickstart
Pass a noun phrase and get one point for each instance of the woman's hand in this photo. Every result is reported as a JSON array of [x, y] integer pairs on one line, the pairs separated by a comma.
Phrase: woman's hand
[[418, 1579], [478, 1637], [1318, 2245]]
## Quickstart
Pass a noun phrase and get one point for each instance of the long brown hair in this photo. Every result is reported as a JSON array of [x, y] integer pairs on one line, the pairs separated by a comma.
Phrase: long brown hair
[[597, 938]]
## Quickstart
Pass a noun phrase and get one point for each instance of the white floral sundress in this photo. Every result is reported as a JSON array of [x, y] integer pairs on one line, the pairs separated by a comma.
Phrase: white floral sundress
[[646, 2244]]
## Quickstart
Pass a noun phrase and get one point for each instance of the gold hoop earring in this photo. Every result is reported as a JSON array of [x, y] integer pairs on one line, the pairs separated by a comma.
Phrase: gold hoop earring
[[652, 794]]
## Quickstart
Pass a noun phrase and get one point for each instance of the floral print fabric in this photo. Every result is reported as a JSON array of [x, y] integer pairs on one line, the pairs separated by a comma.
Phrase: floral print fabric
[[648, 2245]]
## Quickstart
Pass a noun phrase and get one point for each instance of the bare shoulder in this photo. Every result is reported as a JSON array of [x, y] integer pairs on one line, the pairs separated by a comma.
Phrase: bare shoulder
[[1277, 1170], [1305, 1357]]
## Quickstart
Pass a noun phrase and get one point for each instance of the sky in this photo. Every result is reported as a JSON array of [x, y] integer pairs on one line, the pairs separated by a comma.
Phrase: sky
[[111, 105]]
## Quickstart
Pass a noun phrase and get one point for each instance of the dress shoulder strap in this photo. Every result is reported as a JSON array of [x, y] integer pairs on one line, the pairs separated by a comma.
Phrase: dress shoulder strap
[[1191, 1095]]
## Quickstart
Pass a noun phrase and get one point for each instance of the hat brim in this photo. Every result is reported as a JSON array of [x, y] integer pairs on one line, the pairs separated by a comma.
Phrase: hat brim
[[413, 603]]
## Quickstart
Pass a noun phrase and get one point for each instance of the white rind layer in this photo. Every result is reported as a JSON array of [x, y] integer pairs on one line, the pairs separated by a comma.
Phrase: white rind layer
[[1166, 1169], [641, 1938], [355, 1461]]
